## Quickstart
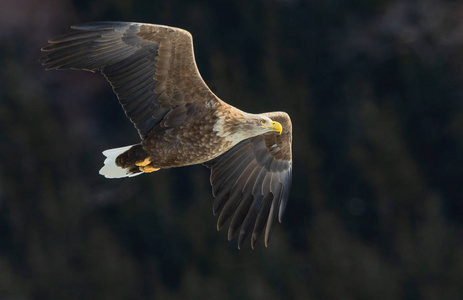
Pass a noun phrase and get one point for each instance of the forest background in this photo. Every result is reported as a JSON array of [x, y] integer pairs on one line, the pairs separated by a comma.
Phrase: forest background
[[374, 89]]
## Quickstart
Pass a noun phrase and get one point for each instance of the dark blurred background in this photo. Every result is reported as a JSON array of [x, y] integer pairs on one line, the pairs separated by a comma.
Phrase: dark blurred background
[[374, 89]]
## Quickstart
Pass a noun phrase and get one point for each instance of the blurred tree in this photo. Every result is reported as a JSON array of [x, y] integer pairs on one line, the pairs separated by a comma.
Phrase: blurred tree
[[375, 93]]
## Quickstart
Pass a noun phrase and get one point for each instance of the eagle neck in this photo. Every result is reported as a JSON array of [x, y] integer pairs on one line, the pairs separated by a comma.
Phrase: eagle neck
[[232, 124]]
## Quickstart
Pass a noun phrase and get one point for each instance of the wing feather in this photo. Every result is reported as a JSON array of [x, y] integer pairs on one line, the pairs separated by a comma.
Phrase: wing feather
[[275, 189], [261, 219], [217, 174], [251, 183], [233, 188], [225, 183], [240, 213], [150, 67]]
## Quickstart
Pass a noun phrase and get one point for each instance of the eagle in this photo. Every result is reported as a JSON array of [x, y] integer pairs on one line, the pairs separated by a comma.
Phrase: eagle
[[181, 122]]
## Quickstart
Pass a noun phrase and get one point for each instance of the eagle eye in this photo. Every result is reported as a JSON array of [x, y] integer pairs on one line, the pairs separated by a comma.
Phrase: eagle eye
[[262, 121]]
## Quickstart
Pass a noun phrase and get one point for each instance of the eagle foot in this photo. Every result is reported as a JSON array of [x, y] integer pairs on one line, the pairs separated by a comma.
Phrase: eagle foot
[[143, 163], [148, 169]]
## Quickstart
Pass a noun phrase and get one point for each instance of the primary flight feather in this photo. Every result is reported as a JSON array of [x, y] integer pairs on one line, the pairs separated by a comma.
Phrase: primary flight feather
[[152, 70]]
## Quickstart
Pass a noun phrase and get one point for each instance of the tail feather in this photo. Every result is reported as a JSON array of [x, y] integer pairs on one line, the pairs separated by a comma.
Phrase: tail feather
[[111, 169]]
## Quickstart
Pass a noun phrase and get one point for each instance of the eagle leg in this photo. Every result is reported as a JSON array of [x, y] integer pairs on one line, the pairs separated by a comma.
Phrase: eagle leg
[[143, 163], [148, 169]]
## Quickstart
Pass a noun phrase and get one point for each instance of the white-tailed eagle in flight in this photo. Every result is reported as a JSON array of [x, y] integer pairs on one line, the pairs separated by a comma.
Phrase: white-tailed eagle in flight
[[153, 72]]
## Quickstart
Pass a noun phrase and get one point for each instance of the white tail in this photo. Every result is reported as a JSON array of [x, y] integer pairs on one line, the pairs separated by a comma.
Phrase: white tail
[[110, 169]]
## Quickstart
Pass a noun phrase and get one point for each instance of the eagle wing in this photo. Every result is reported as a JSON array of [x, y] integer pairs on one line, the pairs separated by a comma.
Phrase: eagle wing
[[251, 182], [151, 68]]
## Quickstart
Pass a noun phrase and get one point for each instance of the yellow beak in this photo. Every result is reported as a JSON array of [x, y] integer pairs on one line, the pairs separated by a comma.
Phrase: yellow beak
[[276, 127]]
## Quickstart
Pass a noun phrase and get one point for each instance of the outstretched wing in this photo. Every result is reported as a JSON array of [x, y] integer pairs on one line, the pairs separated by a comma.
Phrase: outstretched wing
[[151, 68], [251, 182]]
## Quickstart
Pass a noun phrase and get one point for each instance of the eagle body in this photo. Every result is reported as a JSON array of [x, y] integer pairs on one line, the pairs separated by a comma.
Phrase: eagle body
[[181, 122], [194, 142]]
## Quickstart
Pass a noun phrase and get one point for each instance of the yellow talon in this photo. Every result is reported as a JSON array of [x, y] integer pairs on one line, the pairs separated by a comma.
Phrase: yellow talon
[[148, 169], [143, 163]]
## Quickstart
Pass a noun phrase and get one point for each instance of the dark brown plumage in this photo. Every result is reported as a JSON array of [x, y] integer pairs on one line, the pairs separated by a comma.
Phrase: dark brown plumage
[[181, 122]]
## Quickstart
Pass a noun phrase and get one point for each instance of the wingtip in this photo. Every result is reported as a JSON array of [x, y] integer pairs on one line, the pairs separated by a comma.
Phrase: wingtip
[[241, 238], [253, 241], [267, 241], [281, 211], [230, 234]]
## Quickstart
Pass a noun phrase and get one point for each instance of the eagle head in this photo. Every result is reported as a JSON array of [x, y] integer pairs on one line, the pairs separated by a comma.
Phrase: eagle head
[[257, 124], [241, 125]]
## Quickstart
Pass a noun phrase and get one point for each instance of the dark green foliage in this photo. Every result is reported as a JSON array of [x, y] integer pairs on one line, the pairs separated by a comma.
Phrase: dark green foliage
[[374, 90]]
